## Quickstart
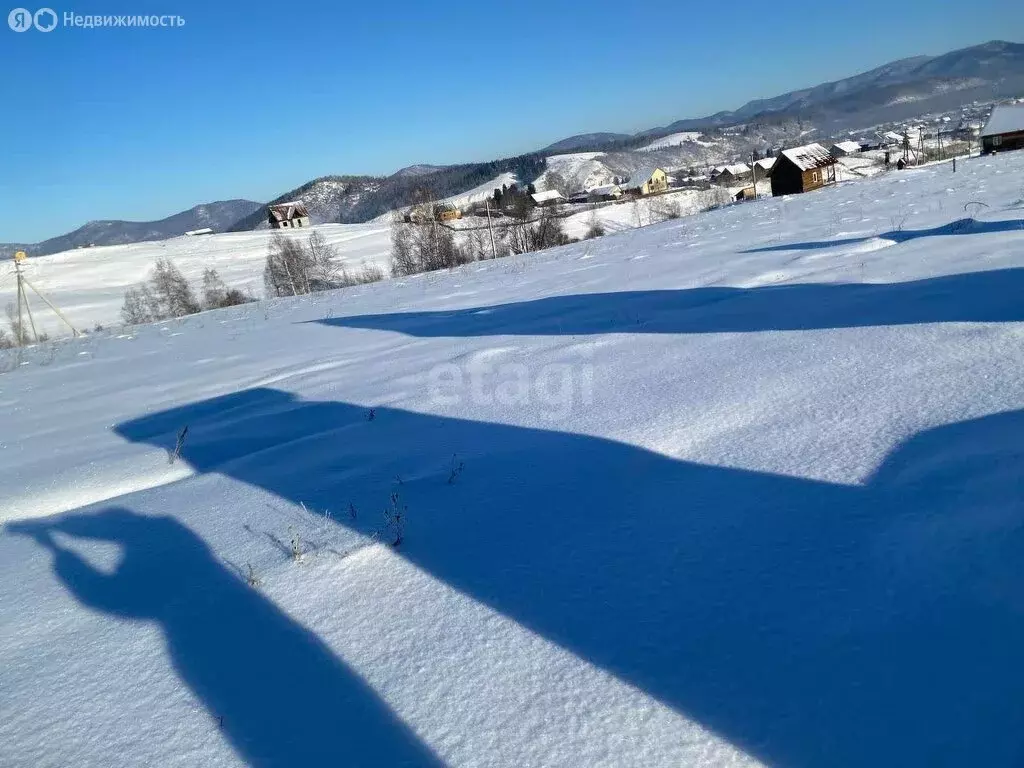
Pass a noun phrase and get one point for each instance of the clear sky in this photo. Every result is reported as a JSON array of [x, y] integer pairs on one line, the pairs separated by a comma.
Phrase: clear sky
[[252, 100]]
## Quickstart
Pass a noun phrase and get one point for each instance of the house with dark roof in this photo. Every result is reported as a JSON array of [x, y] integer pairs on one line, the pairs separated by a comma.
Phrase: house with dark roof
[[287, 215], [802, 169], [603, 193], [1004, 129]]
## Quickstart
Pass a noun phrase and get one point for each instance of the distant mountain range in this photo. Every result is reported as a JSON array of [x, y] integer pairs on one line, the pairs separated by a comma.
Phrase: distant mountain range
[[900, 90], [217, 216], [895, 91]]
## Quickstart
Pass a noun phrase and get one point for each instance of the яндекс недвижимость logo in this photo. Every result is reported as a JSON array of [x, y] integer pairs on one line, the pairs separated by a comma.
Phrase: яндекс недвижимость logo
[[46, 20], [22, 20]]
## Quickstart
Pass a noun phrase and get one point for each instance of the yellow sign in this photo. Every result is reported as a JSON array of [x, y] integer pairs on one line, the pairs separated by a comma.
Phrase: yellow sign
[[20, 256]]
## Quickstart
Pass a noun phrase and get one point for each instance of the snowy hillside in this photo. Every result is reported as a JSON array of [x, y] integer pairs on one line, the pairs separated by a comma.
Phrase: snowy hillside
[[742, 488], [88, 284], [675, 140]]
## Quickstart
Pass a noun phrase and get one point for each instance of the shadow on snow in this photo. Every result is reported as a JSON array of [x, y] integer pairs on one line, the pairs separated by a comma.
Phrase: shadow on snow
[[967, 226], [993, 296], [281, 696], [807, 622]]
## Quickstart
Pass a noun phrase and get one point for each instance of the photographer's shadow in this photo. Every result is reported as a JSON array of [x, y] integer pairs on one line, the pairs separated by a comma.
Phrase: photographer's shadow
[[277, 692], [809, 623]]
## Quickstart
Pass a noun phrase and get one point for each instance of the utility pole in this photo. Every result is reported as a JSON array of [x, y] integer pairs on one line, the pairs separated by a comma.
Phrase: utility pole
[[19, 332], [753, 170], [490, 230], [25, 309]]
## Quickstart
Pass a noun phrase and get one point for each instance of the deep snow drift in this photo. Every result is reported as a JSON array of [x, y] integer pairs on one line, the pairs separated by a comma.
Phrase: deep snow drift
[[742, 488]]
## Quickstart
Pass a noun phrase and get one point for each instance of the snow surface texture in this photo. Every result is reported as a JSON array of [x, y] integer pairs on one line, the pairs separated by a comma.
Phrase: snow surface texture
[[742, 488]]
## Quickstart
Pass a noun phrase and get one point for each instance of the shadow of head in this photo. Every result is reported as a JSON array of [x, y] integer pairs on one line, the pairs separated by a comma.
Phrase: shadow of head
[[280, 696], [159, 559]]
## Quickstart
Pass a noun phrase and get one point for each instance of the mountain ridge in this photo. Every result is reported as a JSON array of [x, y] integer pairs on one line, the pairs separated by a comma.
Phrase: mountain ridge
[[218, 216], [898, 90]]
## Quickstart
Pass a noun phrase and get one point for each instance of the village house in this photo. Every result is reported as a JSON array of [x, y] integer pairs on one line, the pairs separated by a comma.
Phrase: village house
[[646, 181], [732, 175], [1004, 129], [802, 169], [549, 197], [764, 165], [197, 232], [844, 148], [446, 212], [288, 215], [603, 193]]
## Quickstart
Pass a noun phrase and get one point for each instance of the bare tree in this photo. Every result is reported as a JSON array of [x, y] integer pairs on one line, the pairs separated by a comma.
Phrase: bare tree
[[19, 332], [478, 245], [324, 273], [594, 226], [171, 291], [404, 259], [665, 208], [217, 295], [214, 289], [423, 247], [548, 232], [136, 309], [288, 267]]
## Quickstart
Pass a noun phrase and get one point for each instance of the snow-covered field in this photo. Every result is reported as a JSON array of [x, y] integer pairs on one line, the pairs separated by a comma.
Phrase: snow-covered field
[[740, 488], [88, 284]]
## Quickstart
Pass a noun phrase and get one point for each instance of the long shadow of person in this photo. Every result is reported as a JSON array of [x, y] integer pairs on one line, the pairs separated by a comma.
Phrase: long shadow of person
[[809, 623], [281, 697]]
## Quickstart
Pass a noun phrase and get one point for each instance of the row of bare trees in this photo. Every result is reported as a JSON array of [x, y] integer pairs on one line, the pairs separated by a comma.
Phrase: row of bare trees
[[431, 245], [296, 267], [168, 294]]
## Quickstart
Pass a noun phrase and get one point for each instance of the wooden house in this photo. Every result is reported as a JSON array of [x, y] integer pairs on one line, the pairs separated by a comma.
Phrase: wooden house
[[802, 169], [1004, 129], [287, 215]]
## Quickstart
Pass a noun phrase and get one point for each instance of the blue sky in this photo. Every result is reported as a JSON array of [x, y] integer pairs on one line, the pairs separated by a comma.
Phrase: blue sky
[[141, 123]]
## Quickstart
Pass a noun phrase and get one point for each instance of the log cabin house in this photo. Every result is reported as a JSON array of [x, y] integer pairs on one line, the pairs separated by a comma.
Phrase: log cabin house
[[1004, 129], [802, 169]]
